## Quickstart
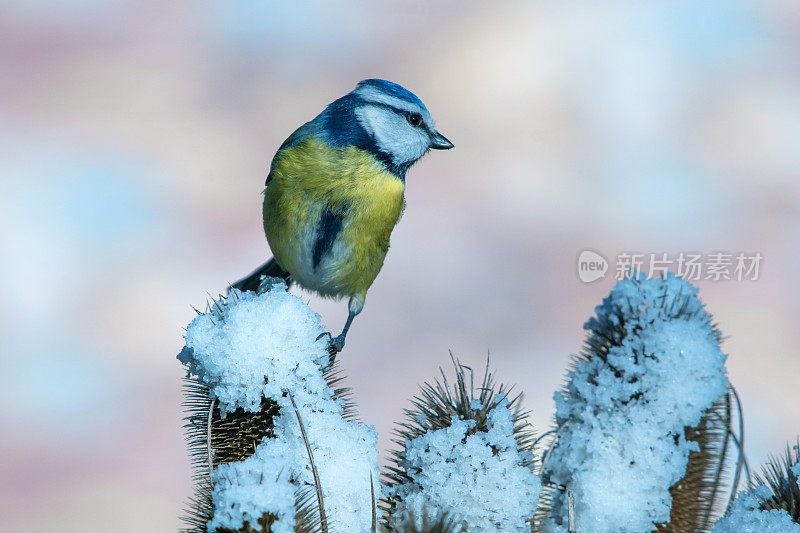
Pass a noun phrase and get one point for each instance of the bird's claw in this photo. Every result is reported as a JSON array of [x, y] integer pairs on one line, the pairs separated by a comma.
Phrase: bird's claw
[[336, 344], [334, 347]]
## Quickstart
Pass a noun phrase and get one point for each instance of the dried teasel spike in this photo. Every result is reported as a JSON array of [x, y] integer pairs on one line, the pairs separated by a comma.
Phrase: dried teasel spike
[[781, 478]]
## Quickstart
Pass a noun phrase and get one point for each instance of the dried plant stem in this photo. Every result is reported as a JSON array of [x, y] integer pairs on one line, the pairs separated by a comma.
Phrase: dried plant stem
[[739, 442], [374, 527], [721, 465], [317, 485]]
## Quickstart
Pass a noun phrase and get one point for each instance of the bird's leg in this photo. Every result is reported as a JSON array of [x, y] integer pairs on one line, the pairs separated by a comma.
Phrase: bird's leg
[[336, 344]]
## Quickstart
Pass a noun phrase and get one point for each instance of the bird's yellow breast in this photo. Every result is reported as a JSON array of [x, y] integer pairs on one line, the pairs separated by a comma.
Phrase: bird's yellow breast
[[310, 178]]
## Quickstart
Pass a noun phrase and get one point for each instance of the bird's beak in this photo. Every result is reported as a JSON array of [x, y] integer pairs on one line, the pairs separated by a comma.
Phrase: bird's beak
[[440, 142]]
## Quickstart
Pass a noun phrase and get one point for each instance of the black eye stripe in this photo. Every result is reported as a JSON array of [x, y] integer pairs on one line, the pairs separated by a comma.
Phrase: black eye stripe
[[417, 120]]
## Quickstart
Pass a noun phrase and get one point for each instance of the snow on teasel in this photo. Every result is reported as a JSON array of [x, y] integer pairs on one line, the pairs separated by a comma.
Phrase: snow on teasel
[[747, 516], [249, 346], [651, 368], [467, 457], [345, 454], [773, 502]]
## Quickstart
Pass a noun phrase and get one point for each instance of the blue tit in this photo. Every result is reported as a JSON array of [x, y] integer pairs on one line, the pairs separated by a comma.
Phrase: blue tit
[[335, 192]]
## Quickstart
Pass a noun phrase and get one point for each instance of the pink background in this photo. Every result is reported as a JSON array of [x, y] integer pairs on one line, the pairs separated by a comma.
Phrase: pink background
[[135, 138]]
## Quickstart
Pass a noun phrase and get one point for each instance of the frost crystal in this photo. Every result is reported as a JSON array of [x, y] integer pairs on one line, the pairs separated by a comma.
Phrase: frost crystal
[[252, 345], [747, 517], [480, 478], [652, 368]]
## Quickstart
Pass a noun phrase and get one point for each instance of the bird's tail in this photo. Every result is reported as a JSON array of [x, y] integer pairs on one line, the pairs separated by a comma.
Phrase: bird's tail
[[252, 281]]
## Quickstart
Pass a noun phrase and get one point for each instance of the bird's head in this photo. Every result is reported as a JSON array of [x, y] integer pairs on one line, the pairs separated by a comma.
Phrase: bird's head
[[386, 119]]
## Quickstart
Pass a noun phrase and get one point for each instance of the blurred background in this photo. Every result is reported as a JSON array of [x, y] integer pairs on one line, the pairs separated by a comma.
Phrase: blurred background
[[134, 142]]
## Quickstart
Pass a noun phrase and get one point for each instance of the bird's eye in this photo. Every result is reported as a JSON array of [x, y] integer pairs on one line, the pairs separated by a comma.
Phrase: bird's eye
[[415, 119]]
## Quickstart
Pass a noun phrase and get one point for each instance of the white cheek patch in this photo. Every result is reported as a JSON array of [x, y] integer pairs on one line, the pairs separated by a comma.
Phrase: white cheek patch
[[393, 134]]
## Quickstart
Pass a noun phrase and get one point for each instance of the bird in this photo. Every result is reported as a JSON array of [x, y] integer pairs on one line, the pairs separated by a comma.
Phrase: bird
[[336, 190]]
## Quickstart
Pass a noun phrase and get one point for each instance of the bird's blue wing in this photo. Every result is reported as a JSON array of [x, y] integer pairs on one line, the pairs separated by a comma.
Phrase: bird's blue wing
[[310, 129]]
